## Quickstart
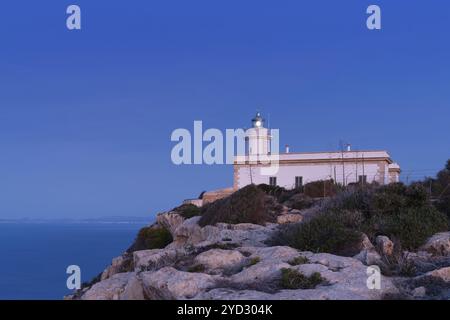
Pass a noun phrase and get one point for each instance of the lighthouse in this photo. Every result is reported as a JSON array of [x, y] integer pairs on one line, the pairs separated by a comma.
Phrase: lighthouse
[[257, 138]]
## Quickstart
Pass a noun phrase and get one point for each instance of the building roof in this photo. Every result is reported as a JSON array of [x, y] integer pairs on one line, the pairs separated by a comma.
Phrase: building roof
[[328, 156]]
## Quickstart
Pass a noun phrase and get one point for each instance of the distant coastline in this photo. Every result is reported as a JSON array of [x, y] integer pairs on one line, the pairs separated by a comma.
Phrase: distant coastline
[[106, 220]]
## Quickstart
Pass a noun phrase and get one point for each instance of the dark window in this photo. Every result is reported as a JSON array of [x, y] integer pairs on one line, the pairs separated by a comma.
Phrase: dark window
[[273, 181], [298, 182], [362, 179]]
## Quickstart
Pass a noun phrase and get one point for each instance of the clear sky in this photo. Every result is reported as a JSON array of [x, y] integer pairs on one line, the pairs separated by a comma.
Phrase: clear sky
[[86, 116]]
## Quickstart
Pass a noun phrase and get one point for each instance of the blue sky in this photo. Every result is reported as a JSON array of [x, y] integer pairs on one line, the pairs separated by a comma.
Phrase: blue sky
[[86, 116]]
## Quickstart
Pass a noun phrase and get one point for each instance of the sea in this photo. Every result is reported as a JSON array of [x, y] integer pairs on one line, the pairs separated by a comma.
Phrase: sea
[[34, 256]]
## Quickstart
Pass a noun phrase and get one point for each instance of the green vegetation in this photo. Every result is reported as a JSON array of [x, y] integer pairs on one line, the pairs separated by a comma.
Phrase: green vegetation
[[412, 226], [151, 238], [247, 205], [292, 279], [254, 261], [439, 189], [328, 232], [320, 189], [188, 211], [403, 213], [298, 261]]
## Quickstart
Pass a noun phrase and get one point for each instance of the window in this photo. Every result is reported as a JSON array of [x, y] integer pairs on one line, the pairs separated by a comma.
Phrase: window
[[273, 181], [362, 179], [298, 182]]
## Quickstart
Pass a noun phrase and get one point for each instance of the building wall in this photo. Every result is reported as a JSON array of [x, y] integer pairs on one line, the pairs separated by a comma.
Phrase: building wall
[[245, 174]]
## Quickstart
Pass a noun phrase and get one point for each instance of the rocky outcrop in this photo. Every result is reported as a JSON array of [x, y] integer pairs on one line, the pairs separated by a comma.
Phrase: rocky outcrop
[[117, 266], [225, 261], [345, 279], [121, 286], [169, 283], [385, 245], [189, 233], [145, 260], [289, 218], [219, 260], [171, 221], [439, 244]]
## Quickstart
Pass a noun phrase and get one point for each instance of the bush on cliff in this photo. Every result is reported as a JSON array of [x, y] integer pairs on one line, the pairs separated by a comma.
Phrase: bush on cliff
[[247, 205], [294, 198], [151, 238], [292, 279], [320, 189], [188, 210], [439, 189], [333, 232], [397, 211], [412, 226]]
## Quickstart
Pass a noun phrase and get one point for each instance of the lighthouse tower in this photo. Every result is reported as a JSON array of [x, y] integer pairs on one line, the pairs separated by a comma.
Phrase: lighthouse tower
[[257, 138]]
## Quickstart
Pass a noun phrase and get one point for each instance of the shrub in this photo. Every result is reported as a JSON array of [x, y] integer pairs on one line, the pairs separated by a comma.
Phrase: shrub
[[279, 193], [198, 268], [351, 199], [412, 226], [254, 261], [320, 189], [151, 238], [188, 210], [292, 279], [298, 260], [247, 205], [331, 232], [299, 201]]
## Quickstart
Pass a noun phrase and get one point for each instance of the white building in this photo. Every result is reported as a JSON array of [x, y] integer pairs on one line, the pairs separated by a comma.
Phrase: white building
[[296, 169]]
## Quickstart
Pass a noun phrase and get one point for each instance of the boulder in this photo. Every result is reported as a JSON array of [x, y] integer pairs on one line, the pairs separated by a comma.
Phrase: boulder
[[439, 244], [155, 259], [275, 254], [169, 220], [118, 265], [260, 275], [189, 233], [121, 286], [218, 259], [345, 279], [169, 283], [419, 292], [442, 273], [289, 218], [369, 257], [385, 245]]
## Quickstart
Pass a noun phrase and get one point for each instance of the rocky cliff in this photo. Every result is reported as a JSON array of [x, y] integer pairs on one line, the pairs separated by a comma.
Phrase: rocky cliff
[[239, 261]]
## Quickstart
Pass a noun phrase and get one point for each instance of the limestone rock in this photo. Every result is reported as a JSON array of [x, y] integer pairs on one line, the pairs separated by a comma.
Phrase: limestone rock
[[442, 273], [346, 279], [119, 286], [419, 292], [289, 218], [169, 283], [218, 259], [369, 257], [385, 245], [170, 220], [155, 259], [189, 233], [117, 266], [259, 274], [439, 244]]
